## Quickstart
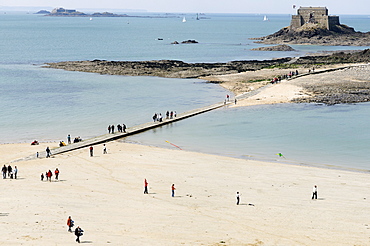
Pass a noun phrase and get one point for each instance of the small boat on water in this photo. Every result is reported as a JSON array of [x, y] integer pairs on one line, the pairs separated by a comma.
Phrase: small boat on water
[[265, 18], [184, 19]]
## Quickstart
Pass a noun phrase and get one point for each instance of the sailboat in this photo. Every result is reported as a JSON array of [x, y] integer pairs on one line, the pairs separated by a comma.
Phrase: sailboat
[[183, 19], [91, 18], [265, 18]]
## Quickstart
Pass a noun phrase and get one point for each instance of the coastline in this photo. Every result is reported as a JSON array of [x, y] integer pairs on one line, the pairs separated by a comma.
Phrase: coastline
[[106, 200]]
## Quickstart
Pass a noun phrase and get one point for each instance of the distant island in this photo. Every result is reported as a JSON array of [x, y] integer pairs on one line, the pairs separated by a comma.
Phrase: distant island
[[42, 12], [62, 12], [313, 25], [75, 13]]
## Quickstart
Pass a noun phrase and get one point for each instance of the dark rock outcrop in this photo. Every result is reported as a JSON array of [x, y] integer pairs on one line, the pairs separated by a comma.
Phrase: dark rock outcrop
[[189, 42], [179, 69], [165, 68], [281, 47], [336, 93]]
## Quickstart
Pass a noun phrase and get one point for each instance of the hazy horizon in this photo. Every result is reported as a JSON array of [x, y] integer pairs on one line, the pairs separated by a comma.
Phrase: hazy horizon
[[358, 7]]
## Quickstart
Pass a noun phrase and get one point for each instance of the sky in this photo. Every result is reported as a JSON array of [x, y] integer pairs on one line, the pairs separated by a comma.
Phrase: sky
[[359, 7]]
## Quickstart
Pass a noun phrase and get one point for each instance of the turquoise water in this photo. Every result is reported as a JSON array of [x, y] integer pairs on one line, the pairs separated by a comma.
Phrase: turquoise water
[[47, 104], [307, 134]]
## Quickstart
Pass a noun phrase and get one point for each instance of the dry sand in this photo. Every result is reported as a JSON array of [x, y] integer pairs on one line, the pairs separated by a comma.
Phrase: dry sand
[[104, 195]]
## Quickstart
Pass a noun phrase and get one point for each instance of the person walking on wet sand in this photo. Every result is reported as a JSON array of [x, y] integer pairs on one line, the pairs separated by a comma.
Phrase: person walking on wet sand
[[173, 190], [78, 233], [314, 192], [145, 186], [104, 149], [91, 151], [109, 128], [42, 176], [237, 198], [69, 139]]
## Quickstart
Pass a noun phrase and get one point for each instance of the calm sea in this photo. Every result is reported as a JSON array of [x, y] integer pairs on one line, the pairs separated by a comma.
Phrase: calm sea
[[46, 104]]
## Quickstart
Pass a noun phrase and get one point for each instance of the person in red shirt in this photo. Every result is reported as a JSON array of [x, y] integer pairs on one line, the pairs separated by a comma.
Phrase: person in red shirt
[[70, 224], [173, 190], [91, 151], [49, 175], [145, 187], [56, 173]]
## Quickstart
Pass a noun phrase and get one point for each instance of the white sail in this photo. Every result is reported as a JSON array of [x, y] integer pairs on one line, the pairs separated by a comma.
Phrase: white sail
[[184, 20], [265, 18]]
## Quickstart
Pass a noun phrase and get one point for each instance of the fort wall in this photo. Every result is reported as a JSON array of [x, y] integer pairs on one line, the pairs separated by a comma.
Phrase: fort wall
[[315, 15]]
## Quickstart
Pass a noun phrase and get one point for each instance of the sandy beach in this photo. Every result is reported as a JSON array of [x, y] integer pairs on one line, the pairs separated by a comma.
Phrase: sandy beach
[[104, 196]]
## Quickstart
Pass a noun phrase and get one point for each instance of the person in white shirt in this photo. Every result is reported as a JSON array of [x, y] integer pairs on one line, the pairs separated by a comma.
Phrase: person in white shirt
[[237, 198], [314, 192]]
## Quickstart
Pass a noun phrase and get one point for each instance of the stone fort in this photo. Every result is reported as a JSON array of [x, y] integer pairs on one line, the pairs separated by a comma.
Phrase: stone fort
[[314, 15]]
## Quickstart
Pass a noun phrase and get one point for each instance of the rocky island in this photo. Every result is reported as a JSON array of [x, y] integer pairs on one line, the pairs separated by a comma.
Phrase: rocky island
[[74, 13], [313, 25]]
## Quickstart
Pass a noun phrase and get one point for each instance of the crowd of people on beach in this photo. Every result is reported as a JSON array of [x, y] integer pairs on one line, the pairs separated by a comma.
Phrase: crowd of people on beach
[[12, 172], [120, 128]]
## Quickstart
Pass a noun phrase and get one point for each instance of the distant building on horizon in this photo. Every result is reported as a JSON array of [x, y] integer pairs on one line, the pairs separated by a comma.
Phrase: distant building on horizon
[[314, 15]]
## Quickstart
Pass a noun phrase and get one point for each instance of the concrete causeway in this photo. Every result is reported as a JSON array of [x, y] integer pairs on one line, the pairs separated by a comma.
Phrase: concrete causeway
[[129, 131]]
